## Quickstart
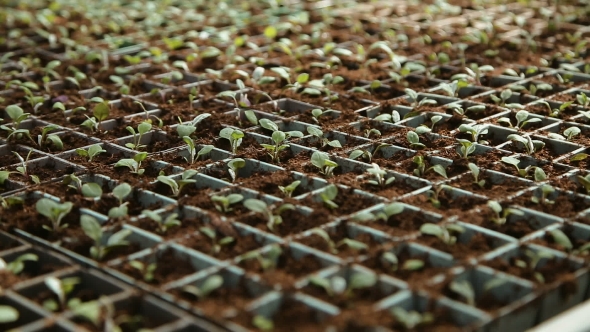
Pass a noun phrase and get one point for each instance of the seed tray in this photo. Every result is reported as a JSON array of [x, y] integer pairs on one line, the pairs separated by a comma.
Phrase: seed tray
[[433, 228]]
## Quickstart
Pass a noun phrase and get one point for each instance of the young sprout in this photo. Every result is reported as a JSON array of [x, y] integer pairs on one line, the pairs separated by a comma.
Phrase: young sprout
[[411, 319], [421, 169], [100, 113], [8, 314], [501, 215], [45, 138], [475, 131], [223, 203], [393, 117], [17, 115], [539, 174], [234, 137], [290, 189], [322, 161], [546, 190], [464, 289], [531, 146], [133, 164], [328, 195], [208, 286], [583, 99], [217, 244], [522, 119], [560, 238], [279, 138], [414, 140], [142, 129], [187, 129], [413, 96], [54, 211], [338, 285], [350, 243], [503, 99], [273, 218], [463, 112], [146, 270], [585, 182], [384, 215], [88, 190], [163, 223], [177, 185], [93, 151], [61, 288], [452, 89], [466, 148], [18, 264], [23, 169], [475, 172], [443, 233], [234, 166], [193, 154], [391, 261], [379, 175], [534, 258], [316, 113], [102, 245], [268, 260], [319, 134], [120, 192]]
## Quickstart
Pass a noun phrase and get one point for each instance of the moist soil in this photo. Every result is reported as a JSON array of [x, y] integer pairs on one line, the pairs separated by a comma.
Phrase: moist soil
[[169, 267]]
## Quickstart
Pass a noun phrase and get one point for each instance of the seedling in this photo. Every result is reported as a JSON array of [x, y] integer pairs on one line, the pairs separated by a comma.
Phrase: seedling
[[338, 285], [583, 100], [46, 139], [100, 113], [411, 319], [18, 264], [421, 169], [366, 154], [177, 185], [434, 193], [234, 166], [319, 134], [503, 99], [350, 243], [534, 258], [390, 260], [466, 148], [217, 244], [539, 174], [210, 284], [415, 104], [61, 288], [316, 113], [17, 115], [500, 214], [452, 89], [120, 192], [93, 151], [280, 138], [273, 217], [379, 175], [223, 203], [475, 131], [102, 245], [546, 190], [522, 119], [134, 164], [145, 269], [384, 215], [414, 140], [475, 172], [88, 190], [268, 260], [53, 211], [164, 224], [8, 314], [531, 146], [322, 161], [585, 182], [23, 169], [187, 129], [393, 117], [464, 289], [142, 129], [328, 195], [560, 238], [443, 233], [290, 189], [463, 112], [234, 137]]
